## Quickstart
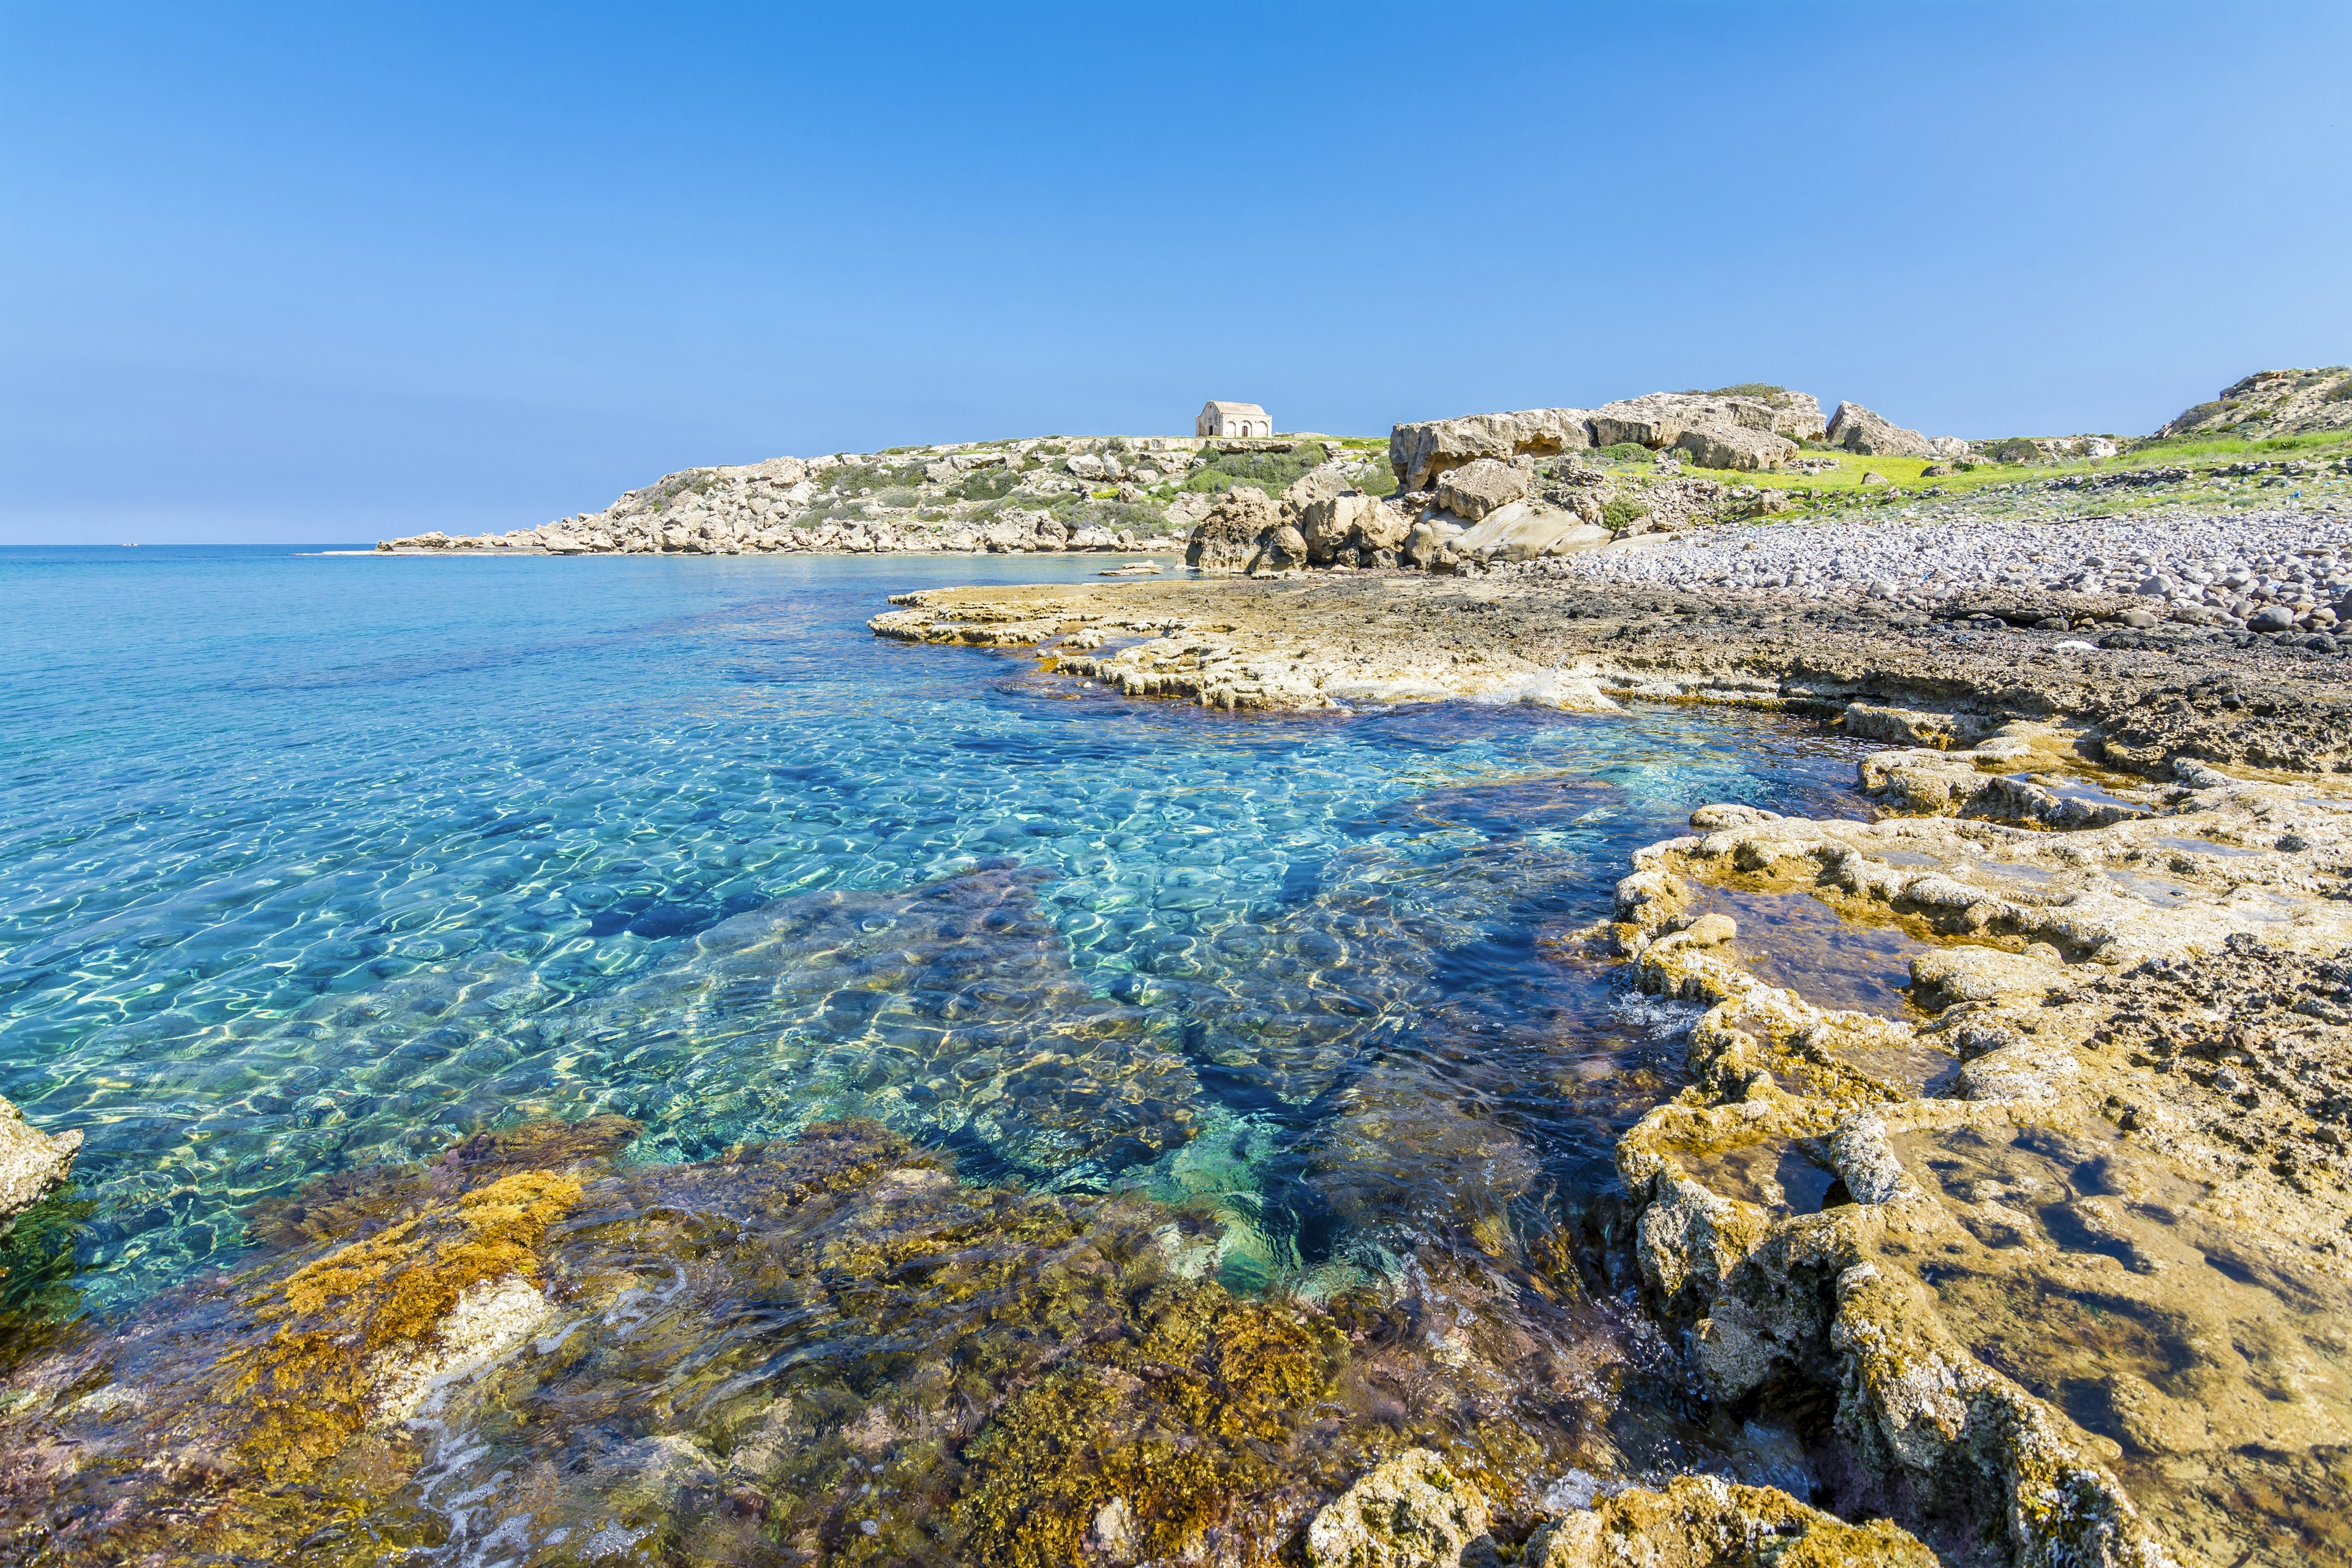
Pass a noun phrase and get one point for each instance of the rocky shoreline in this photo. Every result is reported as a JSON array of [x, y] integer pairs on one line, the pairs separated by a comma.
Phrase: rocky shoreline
[[2059, 1256]]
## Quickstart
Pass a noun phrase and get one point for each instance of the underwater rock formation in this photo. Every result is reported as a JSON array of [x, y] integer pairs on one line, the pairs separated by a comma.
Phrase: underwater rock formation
[[822, 1349]]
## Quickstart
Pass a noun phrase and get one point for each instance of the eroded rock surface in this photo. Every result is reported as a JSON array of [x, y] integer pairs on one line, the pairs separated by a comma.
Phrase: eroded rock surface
[[1699, 1522], [2080, 1269]]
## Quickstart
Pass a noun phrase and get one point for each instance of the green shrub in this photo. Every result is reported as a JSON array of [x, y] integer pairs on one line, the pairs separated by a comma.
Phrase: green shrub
[[1270, 471], [697, 481], [1762, 390], [1626, 452], [985, 484], [2340, 393], [1623, 513], [2015, 450]]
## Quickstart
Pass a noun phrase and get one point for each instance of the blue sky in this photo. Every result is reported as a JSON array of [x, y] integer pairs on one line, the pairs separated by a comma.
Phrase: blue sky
[[323, 273]]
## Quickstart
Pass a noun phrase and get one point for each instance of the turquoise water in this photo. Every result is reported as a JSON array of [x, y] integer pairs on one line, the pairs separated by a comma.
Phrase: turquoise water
[[308, 862]]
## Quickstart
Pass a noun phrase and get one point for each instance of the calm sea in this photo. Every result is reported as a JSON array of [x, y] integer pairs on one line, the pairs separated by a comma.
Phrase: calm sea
[[310, 861]]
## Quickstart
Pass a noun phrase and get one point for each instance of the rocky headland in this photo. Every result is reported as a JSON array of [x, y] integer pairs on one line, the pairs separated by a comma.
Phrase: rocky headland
[[1050, 493]]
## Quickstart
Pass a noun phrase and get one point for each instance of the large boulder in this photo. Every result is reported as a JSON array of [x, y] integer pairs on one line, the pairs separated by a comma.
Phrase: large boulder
[[1700, 1521], [1796, 415], [1284, 550], [1477, 488], [1525, 530], [1349, 521], [1742, 447], [1652, 426], [1421, 453], [1378, 525], [1411, 1511], [1658, 420], [1231, 536], [1429, 544], [1857, 429]]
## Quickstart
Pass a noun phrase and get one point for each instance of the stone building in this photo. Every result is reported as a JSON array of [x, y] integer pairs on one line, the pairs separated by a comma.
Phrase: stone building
[[1232, 419]]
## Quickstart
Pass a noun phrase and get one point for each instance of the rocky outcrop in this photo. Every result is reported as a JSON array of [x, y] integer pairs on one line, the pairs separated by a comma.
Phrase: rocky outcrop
[[1857, 429], [1216, 652], [1746, 428], [33, 1165], [1318, 520], [1423, 452], [2273, 402], [1660, 419], [1411, 1511], [1722, 446]]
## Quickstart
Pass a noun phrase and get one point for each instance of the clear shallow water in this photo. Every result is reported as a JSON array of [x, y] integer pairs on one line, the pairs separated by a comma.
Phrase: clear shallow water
[[308, 862]]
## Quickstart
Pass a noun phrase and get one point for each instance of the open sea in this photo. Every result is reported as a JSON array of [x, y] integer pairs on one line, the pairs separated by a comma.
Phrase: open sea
[[309, 862]]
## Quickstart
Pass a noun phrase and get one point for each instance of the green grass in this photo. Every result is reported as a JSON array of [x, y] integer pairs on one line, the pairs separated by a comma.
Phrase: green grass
[[2184, 448], [1908, 473]]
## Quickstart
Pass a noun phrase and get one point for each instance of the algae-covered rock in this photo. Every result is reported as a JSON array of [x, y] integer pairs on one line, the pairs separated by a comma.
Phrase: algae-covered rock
[[1699, 1522], [1411, 1511], [32, 1163], [820, 1349]]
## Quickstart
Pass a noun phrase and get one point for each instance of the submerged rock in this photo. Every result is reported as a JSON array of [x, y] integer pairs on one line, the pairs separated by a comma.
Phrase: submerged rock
[[821, 1350]]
